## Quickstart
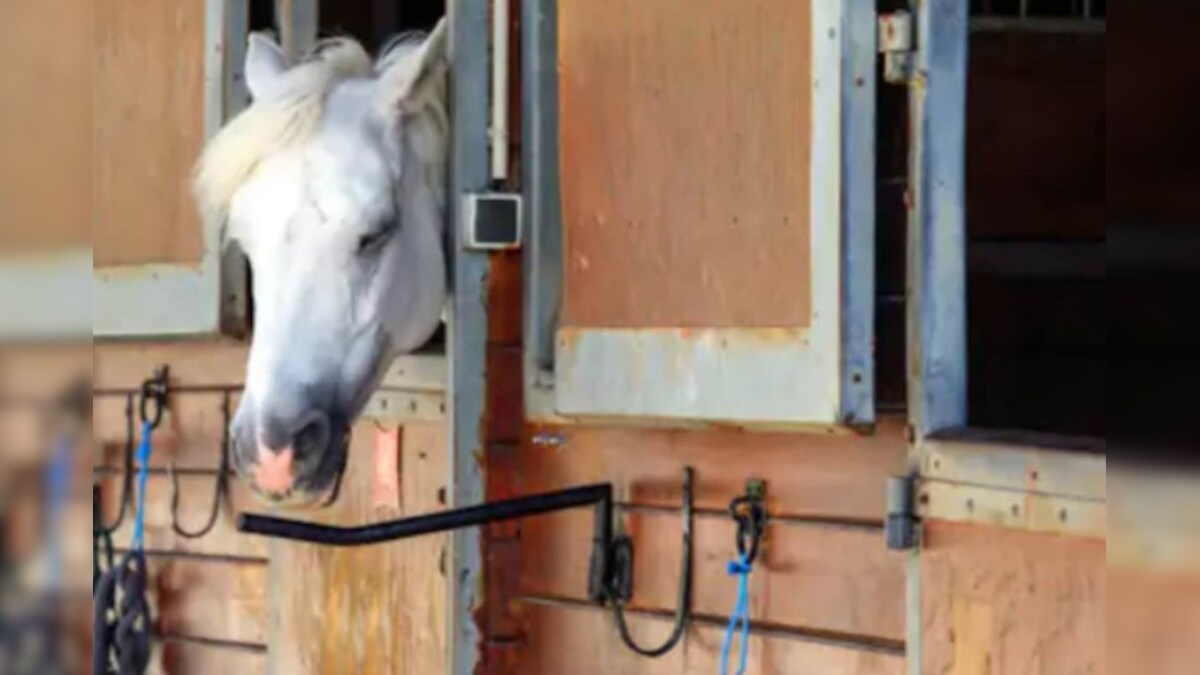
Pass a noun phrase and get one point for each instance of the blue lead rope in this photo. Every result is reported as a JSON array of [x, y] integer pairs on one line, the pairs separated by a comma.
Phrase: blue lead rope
[[143, 459], [740, 621]]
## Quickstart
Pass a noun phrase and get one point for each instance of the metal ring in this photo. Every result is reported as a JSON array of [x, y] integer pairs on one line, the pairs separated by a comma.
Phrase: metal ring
[[154, 390], [751, 517]]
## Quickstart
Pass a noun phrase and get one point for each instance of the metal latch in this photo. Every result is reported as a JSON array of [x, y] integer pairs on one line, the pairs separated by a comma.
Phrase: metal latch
[[903, 533], [897, 44]]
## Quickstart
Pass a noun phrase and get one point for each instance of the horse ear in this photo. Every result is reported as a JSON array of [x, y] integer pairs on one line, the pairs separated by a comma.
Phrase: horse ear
[[405, 87], [265, 64]]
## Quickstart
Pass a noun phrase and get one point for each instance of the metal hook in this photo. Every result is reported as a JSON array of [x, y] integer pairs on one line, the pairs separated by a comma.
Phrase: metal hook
[[155, 390], [750, 512], [623, 587], [127, 471], [222, 488]]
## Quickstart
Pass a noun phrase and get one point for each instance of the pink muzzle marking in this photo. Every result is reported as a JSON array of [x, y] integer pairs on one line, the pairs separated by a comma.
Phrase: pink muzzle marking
[[273, 474]]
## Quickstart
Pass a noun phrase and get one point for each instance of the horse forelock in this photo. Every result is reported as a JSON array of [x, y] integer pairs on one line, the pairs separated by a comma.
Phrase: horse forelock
[[286, 120]]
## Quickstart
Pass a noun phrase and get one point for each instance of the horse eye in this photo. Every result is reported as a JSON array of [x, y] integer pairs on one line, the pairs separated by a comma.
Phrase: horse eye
[[369, 243]]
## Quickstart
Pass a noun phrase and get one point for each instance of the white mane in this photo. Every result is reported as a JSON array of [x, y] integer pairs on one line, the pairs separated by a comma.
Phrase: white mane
[[292, 115], [275, 124]]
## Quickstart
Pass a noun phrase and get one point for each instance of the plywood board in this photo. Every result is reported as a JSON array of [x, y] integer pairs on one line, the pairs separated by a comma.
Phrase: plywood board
[[186, 658], [582, 641], [42, 371], [1154, 623], [209, 596], [148, 128], [45, 127], [1005, 602], [838, 580], [30, 378], [125, 365], [379, 609], [685, 163], [815, 475], [210, 599]]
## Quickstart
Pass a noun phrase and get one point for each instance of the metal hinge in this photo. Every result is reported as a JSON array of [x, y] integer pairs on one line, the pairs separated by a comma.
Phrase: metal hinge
[[898, 46], [903, 525]]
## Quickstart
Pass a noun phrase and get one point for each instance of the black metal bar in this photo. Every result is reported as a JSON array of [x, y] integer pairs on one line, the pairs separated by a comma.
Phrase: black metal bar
[[600, 495], [600, 576]]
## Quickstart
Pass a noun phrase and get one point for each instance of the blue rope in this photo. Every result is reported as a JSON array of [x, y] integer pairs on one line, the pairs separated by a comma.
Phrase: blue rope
[[740, 568], [58, 493], [143, 459]]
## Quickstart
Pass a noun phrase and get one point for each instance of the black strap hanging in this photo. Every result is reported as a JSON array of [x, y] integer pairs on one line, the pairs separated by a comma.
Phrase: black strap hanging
[[623, 564], [121, 621], [610, 578]]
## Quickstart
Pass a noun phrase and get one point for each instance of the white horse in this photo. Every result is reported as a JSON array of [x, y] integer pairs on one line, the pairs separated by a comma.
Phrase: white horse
[[333, 183]]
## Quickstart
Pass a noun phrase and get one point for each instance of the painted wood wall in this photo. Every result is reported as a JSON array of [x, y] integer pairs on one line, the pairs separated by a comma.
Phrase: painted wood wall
[[75, 169], [829, 596], [1008, 602], [711, 215], [227, 602]]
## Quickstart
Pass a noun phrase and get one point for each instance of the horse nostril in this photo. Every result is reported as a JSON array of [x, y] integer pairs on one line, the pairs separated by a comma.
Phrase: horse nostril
[[313, 437]]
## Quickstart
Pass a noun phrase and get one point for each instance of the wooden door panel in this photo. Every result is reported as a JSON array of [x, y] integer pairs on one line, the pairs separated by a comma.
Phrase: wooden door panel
[[715, 164], [685, 146], [149, 126], [45, 126]]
